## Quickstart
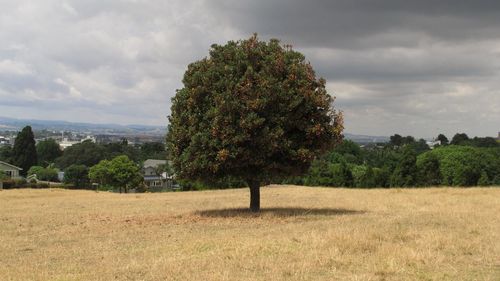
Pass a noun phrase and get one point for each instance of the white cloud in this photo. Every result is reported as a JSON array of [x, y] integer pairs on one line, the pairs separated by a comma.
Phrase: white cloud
[[14, 67]]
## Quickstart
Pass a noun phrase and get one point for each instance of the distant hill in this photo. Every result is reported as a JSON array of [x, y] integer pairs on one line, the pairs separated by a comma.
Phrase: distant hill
[[134, 129], [17, 124]]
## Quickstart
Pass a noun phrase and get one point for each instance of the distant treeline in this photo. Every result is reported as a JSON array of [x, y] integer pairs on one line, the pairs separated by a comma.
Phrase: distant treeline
[[406, 162], [402, 162], [46, 159]]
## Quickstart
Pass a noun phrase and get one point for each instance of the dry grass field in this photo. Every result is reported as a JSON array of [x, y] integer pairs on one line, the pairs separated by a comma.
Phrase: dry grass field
[[302, 234]]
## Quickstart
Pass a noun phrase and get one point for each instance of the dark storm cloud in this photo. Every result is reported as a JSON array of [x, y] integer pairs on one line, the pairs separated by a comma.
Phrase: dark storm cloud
[[414, 67], [348, 24], [417, 67]]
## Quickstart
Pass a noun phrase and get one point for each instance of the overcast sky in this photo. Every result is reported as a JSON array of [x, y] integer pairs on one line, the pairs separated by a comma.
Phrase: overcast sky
[[408, 67]]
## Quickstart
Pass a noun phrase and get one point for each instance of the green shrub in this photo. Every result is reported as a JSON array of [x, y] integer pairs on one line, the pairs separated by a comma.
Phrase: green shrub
[[429, 171], [141, 188], [483, 180], [381, 177], [43, 185], [18, 183], [78, 175]]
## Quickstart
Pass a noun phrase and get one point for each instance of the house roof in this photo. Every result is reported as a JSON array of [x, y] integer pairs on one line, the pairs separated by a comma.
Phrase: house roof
[[10, 165], [154, 163]]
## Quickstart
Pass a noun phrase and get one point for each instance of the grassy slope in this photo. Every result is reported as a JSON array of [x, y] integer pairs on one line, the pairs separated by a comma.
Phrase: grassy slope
[[302, 234]]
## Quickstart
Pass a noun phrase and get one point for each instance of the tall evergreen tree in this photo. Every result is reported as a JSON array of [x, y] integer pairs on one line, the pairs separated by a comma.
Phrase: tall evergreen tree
[[24, 151]]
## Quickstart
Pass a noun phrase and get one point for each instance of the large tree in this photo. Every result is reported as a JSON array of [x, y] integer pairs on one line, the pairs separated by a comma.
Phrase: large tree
[[252, 110], [77, 175], [120, 172], [460, 139], [24, 151], [443, 139], [47, 151], [86, 153]]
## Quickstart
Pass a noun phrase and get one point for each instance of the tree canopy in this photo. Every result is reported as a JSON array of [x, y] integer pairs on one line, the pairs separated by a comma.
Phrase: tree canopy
[[252, 110], [77, 175], [120, 172], [459, 139], [443, 139], [86, 153], [47, 151]]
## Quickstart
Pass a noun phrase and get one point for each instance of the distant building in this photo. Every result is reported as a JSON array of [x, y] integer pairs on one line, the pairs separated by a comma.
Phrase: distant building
[[65, 143], [152, 176], [4, 140], [10, 170], [434, 143], [60, 176]]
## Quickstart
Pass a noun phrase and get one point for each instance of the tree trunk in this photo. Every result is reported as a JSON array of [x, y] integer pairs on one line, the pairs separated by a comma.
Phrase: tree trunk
[[254, 195]]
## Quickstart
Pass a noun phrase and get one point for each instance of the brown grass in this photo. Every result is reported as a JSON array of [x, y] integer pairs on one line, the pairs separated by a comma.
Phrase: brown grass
[[302, 234]]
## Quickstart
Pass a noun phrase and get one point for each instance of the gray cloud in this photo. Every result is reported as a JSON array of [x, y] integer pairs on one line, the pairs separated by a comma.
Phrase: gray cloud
[[413, 67]]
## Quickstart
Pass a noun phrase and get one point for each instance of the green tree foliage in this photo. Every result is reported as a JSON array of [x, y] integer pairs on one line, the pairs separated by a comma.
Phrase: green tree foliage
[[429, 171], [114, 149], [381, 177], [86, 153], [347, 151], [77, 175], [120, 172], [463, 165], [6, 154], [496, 180], [368, 179], [483, 179], [420, 146], [396, 140], [34, 170], [386, 157], [24, 151], [408, 140], [460, 165], [252, 110], [100, 173], [443, 139], [323, 173], [47, 151], [3, 176], [153, 150], [484, 142], [43, 174], [460, 139], [406, 171]]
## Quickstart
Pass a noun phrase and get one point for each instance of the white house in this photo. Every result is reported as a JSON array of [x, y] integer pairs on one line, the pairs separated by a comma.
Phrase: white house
[[10, 170], [432, 144], [4, 140], [65, 143], [152, 177]]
